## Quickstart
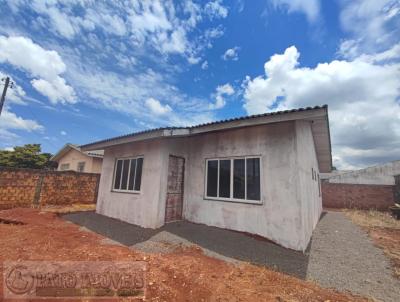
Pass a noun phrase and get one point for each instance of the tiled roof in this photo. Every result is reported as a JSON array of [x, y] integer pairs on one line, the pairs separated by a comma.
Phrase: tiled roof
[[208, 124]]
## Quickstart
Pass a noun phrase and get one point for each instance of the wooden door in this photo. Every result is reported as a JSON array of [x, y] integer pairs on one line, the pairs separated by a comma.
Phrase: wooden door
[[174, 202]]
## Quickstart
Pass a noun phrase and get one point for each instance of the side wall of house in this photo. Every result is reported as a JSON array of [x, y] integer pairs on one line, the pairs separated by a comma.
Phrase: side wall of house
[[137, 208], [309, 194], [279, 216], [73, 157], [96, 165]]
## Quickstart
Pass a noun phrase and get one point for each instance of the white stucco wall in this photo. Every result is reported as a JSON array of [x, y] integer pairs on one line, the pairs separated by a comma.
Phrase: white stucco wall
[[280, 217], [290, 203], [308, 186], [137, 208]]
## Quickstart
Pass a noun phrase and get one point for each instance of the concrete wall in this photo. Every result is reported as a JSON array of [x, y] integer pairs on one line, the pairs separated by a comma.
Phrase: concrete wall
[[137, 208], [97, 162], [309, 194], [290, 203], [73, 157], [377, 175], [280, 217]]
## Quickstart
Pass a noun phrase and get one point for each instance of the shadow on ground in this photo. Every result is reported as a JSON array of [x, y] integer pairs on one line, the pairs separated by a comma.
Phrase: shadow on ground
[[228, 243]]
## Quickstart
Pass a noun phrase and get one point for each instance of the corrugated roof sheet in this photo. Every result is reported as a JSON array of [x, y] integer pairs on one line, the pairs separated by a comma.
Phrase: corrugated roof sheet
[[208, 124]]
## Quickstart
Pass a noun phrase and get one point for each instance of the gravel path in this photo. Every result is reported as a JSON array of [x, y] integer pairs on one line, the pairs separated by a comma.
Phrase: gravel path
[[342, 256]]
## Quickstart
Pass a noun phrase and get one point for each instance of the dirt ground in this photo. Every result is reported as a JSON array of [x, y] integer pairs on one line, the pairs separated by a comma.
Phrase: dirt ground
[[384, 230], [185, 275]]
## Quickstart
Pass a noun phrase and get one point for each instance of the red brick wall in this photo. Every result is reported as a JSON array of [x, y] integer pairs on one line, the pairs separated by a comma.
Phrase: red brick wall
[[335, 195], [397, 188], [20, 187]]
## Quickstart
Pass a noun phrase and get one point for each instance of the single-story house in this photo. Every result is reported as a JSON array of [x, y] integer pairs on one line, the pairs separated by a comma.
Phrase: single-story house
[[72, 158], [257, 174]]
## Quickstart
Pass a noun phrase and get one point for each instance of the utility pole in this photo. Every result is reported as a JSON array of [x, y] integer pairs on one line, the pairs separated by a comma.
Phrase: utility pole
[[3, 96]]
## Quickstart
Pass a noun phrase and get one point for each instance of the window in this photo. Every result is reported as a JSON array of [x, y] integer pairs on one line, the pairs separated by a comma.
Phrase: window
[[233, 179], [81, 166], [64, 167], [128, 174], [319, 186]]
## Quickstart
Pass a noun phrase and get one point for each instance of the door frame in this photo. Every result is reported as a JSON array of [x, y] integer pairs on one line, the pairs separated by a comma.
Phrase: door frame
[[183, 187]]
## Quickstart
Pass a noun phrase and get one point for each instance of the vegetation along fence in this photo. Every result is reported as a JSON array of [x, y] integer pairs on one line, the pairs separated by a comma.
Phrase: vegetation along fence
[[26, 187]]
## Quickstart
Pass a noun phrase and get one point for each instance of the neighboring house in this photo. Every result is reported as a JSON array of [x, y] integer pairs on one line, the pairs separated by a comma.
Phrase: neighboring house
[[256, 174], [72, 158]]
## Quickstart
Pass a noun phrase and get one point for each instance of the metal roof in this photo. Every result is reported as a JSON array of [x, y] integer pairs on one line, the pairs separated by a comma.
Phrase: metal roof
[[206, 124]]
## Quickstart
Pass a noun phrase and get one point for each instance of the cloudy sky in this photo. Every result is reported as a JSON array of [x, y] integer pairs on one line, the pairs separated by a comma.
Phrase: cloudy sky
[[87, 70]]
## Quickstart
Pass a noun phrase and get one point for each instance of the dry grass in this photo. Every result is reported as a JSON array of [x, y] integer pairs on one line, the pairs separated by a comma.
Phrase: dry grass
[[384, 231], [69, 208], [373, 219]]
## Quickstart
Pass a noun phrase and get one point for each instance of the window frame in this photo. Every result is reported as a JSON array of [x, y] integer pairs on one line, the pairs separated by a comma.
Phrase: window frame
[[81, 163], [127, 180], [231, 198], [66, 166]]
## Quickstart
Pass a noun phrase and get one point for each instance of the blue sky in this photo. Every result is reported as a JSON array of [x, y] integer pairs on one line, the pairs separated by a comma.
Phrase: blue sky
[[88, 70]]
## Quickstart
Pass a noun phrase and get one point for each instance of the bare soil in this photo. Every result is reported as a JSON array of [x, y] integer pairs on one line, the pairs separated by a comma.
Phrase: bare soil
[[184, 275], [384, 230]]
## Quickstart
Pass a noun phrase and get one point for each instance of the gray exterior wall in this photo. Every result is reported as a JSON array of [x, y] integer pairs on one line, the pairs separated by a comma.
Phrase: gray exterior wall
[[291, 204], [376, 175], [141, 209]]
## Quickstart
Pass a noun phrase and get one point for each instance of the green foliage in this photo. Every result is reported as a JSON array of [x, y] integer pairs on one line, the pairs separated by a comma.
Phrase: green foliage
[[27, 156]]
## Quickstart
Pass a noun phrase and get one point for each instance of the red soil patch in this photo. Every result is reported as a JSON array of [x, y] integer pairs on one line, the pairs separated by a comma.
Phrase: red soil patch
[[389, 240], [185, 275]]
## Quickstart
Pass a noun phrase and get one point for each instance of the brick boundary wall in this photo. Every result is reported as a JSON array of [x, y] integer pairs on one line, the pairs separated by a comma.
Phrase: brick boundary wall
[[27, 187], [357, 196]]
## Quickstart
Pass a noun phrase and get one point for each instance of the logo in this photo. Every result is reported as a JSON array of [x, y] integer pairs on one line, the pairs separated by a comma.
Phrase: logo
[[74, 279], [18, 280]]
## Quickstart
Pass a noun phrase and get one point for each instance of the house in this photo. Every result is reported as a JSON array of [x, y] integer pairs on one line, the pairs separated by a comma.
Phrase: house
[[257, 174], [72, 158]]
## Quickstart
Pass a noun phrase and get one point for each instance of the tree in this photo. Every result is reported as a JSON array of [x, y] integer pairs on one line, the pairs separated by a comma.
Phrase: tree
[[27, 156]]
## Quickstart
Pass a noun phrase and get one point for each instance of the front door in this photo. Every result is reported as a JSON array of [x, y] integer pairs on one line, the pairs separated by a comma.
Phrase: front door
[[174, 202]]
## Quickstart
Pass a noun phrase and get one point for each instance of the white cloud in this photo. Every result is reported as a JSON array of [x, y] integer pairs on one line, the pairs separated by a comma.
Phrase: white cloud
[[374, 26], [204, 65], [194, 60], [162, 25], [156, 107], [362, 96], [56, 90], [10, 121], [215, 9], [63, 133], [310, 8], [220, 94], [231, 54], [47, 65]]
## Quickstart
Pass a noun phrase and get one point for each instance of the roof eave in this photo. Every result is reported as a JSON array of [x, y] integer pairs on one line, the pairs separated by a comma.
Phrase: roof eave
[[176, 132]]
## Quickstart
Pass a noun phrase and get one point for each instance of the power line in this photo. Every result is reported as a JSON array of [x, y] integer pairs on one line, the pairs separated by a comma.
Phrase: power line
[[3, 96]]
